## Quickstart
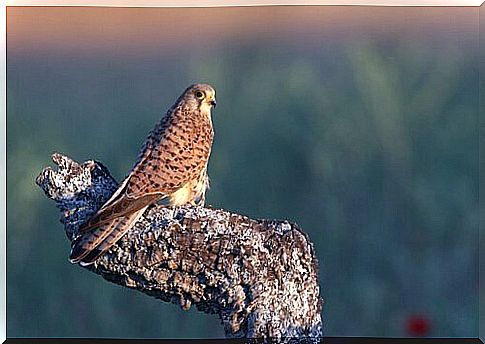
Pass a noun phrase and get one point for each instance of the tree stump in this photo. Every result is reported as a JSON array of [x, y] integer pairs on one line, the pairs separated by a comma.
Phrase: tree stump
[[259, 276]]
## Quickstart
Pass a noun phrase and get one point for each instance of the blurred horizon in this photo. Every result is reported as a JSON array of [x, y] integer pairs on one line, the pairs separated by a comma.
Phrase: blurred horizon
[[359, 124]]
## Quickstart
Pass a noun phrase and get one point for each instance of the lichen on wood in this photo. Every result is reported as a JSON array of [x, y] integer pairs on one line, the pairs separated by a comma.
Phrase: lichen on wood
[[259, 276]]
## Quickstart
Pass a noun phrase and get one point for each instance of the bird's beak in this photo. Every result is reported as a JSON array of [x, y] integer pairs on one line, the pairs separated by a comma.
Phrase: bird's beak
[[213, 102]]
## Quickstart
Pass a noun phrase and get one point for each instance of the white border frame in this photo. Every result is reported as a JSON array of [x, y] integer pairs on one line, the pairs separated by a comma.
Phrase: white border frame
[[3, 178], [140, 3]]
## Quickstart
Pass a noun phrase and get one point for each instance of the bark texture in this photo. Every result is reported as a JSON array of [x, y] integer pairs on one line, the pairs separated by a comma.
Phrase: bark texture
[[259, 276]]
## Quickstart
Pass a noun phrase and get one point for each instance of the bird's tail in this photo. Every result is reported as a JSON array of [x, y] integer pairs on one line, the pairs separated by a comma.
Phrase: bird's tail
[[89, 246]]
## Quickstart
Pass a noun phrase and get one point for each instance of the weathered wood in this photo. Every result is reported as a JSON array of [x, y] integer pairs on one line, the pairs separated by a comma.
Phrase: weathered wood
[[260, 277]]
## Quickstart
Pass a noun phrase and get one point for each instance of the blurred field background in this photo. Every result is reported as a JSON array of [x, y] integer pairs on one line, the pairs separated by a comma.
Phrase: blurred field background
[[359, 123]]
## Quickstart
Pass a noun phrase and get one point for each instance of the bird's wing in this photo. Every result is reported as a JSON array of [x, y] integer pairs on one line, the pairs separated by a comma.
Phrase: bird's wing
[[89, 246], [123, 202], [121, 207], [156, 174]]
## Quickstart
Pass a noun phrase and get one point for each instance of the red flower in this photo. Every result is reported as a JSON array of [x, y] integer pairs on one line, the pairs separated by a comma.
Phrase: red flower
[[418, 325]]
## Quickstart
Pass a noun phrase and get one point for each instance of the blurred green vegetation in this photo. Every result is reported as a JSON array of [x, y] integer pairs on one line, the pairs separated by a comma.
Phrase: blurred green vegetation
[[371, 146]]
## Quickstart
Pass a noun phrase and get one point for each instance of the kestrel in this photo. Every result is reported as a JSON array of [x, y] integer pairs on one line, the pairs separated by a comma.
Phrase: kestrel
[[172, 165]]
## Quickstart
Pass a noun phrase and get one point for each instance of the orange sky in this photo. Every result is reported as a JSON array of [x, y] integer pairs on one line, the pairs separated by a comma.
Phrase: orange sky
[[104, 29], [139, 3]]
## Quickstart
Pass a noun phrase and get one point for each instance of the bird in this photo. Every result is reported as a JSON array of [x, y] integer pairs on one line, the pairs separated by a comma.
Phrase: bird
[[171, 167]]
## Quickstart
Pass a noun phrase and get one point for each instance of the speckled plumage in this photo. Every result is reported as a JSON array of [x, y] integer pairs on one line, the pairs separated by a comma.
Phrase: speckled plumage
[[171, 165]]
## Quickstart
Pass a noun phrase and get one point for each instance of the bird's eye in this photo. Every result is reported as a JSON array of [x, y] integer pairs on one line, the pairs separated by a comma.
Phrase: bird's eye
[[199, 94]]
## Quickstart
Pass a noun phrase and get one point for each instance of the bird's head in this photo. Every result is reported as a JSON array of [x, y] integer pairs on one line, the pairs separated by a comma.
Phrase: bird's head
[[201, 95]]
